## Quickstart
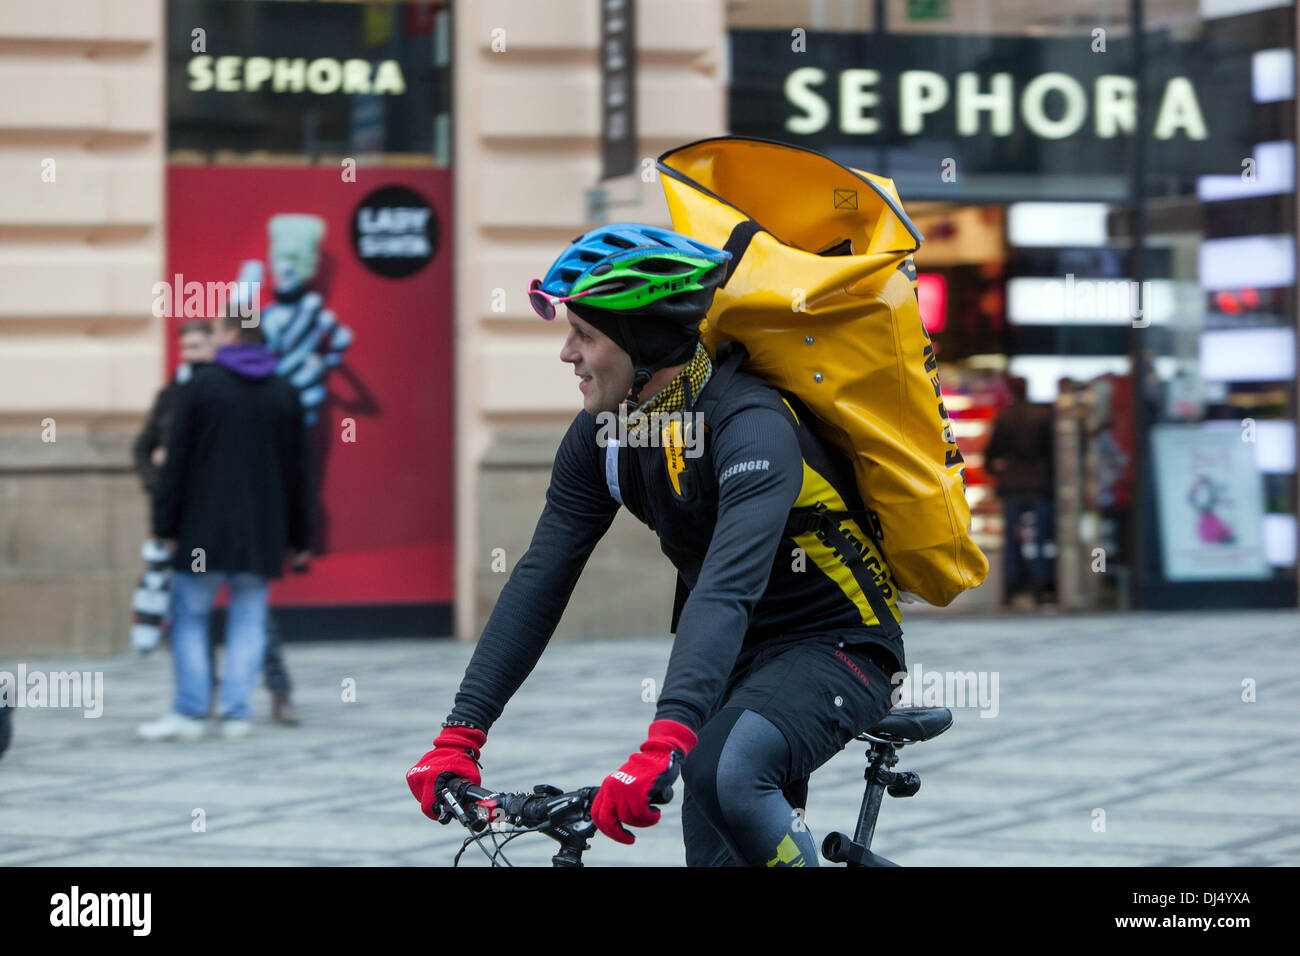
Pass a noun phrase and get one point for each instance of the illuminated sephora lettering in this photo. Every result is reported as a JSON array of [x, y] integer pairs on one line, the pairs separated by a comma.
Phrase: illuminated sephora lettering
[[321, 76], [990, 105], [1000, 107]]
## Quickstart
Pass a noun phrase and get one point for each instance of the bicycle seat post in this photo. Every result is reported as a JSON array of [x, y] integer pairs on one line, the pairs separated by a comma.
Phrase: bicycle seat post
[[883, 756]]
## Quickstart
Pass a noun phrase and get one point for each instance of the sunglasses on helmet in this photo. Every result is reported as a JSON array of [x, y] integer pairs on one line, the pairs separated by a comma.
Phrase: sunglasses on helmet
[[544, 303]]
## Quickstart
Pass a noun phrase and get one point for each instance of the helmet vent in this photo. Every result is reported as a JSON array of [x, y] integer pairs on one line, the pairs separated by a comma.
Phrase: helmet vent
[[618, 241], [657, 266], [615, 286]]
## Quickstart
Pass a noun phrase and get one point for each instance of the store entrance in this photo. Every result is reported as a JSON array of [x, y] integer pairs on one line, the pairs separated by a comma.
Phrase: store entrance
[[1040, 398]]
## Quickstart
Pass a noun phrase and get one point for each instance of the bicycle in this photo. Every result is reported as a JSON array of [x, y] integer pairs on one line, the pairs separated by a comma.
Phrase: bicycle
[[566, 816]]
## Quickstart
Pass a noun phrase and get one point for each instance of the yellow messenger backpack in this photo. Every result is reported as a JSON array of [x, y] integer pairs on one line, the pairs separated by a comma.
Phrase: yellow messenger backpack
[[822, 295]]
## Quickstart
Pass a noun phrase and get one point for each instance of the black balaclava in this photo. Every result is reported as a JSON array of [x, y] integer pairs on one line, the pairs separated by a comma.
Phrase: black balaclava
[[651, 342]]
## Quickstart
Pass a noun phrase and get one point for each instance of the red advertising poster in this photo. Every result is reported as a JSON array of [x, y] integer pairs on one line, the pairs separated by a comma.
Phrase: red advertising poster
[[354, 287]]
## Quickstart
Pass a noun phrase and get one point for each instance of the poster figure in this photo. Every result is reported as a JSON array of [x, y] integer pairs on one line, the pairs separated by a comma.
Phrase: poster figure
[[1208, 496], [305, 336]]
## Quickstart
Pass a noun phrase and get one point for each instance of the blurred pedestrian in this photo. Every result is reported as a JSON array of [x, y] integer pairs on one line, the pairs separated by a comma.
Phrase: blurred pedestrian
[[231, 499], [196, 348], [151, 603], [274, 671], [1020, 457]]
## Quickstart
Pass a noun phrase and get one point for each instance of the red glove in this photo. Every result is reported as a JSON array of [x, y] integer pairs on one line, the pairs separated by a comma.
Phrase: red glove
[[646, 778], [454, 754]]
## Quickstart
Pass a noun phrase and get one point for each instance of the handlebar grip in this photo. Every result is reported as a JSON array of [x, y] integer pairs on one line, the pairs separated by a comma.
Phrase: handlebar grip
[[466, 791], [532, 810], [463, 788]]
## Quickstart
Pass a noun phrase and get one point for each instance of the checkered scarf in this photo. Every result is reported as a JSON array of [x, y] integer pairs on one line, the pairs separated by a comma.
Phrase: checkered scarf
[[678, 395]]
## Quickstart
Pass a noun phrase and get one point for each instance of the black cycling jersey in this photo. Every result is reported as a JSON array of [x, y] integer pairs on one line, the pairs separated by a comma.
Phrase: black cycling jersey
[[750, 584]]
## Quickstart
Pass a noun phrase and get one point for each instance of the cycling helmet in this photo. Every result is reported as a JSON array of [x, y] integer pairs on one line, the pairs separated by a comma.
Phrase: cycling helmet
[[646, 288]]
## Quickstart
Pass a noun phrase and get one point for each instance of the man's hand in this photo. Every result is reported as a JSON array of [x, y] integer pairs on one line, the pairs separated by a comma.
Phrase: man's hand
[[300, 561], [647, 777], [454, 754]]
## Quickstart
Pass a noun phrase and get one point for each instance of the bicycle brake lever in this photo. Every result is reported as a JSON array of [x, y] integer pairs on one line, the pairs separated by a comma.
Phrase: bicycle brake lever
[[451, 804]]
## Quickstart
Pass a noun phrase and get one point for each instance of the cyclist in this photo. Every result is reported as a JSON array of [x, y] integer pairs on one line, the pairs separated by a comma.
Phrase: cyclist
[[784, 642]]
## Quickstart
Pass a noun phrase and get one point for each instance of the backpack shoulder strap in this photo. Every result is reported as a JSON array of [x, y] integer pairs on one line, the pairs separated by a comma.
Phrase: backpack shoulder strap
[[712, 393], [826, 525], [720, 380]]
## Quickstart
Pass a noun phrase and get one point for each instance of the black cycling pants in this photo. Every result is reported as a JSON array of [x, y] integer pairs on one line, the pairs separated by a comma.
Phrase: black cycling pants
[[782, 717]]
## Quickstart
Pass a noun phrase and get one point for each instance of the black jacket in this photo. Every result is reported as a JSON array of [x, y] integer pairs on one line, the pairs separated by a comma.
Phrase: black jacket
[[154, 432], [235, 479], [745, 589], [1022, 439]]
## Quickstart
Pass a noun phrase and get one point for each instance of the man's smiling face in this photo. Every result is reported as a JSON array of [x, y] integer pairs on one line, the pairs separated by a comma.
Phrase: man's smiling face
[[604, 369]]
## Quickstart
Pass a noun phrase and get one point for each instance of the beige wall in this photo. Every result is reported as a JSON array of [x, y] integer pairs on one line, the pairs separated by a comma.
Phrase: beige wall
[[84, 86], [527, 149], [82, 82]]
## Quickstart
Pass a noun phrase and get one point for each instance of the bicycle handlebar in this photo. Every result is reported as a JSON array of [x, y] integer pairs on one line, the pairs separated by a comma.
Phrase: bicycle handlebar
[[545, 807]]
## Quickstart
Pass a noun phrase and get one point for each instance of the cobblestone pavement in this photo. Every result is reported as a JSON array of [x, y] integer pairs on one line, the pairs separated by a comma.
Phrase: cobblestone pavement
[[1137, 717]]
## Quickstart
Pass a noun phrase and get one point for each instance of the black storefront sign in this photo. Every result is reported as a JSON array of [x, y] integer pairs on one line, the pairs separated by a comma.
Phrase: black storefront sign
[[617, 87], [998, 105], [305, 78]]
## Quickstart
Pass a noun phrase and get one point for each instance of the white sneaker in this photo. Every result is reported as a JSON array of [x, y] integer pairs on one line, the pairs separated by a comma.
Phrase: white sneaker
[[171, 726], [233, 729]]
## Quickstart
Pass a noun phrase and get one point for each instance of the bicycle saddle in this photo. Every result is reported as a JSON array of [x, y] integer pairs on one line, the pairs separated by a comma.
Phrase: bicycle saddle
[[911, 725]]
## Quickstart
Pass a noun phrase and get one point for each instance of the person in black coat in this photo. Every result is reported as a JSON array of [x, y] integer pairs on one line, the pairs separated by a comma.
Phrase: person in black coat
[[231, 500], [195, 338], [196, 349], [150, 602], [1021, 458]]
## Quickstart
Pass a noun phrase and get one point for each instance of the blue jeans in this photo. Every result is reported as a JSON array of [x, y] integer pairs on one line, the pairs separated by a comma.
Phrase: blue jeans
[[192, 599], [1028, 559]]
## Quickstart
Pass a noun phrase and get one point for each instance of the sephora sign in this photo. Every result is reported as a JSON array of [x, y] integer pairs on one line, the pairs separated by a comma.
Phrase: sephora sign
[[991, 106], [998, 104]]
